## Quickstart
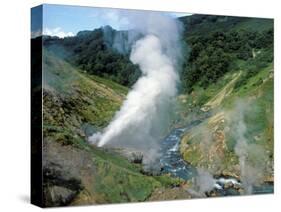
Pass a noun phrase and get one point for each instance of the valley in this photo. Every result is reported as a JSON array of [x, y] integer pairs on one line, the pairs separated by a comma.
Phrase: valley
[[220, 138]]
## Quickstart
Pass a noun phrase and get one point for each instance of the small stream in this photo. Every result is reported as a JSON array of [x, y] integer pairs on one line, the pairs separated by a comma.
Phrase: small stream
[[173, 163]]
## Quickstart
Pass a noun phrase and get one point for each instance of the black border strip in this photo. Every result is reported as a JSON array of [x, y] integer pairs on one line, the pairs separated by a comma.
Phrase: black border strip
[[36, 108]]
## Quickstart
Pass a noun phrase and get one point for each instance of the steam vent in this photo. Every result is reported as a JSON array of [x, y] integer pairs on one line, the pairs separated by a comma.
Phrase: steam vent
[[134, 106]]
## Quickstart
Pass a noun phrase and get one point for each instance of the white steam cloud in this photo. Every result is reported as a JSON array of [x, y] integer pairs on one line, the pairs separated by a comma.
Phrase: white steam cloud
[[204, 181], [144, 114], [57, 32], [252, 156]]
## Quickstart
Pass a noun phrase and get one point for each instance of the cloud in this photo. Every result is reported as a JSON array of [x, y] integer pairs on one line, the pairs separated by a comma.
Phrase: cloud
[[57, 32], [36, 33], [115, 18], [110, 17], [119, 19]]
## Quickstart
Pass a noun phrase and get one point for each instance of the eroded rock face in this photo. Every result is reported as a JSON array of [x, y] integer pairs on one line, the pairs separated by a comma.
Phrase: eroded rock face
[[65, 170], [205, 147], [212, 146], [59, 195]]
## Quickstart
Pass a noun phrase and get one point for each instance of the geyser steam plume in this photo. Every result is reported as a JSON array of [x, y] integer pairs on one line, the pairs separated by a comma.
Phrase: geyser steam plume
[[144, 113]]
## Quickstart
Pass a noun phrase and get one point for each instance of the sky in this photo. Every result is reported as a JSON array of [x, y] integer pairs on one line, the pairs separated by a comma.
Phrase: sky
[[63, 20]]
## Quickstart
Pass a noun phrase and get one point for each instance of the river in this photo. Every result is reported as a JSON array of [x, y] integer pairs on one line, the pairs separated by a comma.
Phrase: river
[[173, 163]]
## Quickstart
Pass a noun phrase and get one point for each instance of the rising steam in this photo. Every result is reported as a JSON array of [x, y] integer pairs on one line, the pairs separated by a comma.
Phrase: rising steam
[[144, 114], [252, 156]]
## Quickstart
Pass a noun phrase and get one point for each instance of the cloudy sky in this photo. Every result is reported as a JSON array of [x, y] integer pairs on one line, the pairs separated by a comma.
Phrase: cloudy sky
[[62, 21]]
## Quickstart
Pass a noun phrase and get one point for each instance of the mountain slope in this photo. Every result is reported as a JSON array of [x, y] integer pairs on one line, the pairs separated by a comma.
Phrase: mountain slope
[[220, 44], [245, 113], [227, 77], [75, 105]]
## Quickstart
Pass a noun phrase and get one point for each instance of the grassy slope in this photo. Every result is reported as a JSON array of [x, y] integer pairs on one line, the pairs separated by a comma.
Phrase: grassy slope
[[191, 103], [212, 142], [73, 98], [201, 151]]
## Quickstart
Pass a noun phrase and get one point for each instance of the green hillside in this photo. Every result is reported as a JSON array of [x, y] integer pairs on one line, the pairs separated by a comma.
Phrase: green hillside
[[76, 105], [225, 79], [220, 44], [227, 70], [94, 53], [214, 139]]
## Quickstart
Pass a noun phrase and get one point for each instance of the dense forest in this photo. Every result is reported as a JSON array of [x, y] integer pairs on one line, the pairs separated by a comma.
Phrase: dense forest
[[93, 52], [217, 52], [207, 58]]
